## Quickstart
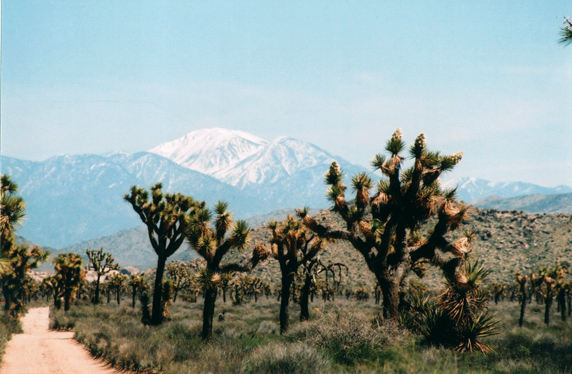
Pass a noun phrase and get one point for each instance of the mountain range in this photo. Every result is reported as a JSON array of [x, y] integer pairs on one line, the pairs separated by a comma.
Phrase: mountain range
[[76, 198]]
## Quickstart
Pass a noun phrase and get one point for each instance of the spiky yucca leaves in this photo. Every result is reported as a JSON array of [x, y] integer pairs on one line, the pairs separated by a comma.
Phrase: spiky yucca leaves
[[456, 318], [213, 243], [166, 217], [387, 227], [102, 263], [70, 272], [12, 208], [566, 32], [464, 304]]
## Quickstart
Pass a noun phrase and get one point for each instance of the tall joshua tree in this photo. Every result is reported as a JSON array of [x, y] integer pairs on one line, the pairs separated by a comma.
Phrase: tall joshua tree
[[166, 218], [213, 243], [102, 263], [293, 245], [386, 228], [70, 273]]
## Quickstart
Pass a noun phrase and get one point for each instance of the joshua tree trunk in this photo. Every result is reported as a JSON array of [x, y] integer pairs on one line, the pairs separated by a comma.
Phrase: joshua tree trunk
[[284, 301], [57, 302], [134, 296], [208, 313], [522, 305], [118, 295], [67, 301], [8, 300], [548, 304], [304, 312], [157, 309], [561, 298], [390, 291]]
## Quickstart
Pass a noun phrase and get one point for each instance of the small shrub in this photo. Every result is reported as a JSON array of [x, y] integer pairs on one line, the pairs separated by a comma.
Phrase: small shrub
[[281, 358]]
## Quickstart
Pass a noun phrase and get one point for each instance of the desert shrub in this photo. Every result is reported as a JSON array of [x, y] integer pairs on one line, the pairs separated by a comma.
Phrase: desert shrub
[[349, 336], [282, 358], [8, 326]]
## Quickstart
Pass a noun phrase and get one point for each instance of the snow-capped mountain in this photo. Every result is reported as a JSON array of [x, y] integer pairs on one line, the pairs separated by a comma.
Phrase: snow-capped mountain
[[241, 159], [278, 159], [471, 189], [209, 151]]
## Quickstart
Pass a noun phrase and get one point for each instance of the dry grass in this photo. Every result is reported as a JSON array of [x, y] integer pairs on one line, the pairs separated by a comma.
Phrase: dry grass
[[340, 338]]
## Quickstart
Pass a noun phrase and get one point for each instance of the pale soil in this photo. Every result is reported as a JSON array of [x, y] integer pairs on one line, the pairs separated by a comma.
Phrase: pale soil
[[41, 351]]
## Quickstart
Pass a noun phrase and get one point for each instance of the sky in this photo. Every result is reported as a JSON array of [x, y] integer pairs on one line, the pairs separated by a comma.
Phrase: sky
[[488, 78]]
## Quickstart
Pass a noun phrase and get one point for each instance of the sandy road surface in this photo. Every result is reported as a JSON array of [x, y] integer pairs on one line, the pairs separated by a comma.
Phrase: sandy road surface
[[41, 351]]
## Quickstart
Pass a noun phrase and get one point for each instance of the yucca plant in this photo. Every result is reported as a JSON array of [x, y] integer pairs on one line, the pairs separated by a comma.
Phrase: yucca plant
[[213, 243], [464, 305], [389, 227]]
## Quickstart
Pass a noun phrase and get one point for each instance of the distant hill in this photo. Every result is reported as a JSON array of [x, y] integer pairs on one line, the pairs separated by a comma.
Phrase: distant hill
[[561, 203], [506, 241]]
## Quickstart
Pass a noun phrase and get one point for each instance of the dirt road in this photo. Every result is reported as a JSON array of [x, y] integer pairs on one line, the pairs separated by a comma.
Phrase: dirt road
[[41, 351]]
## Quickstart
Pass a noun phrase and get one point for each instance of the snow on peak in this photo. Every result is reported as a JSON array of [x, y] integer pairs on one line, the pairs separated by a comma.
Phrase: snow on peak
[[210, 150]]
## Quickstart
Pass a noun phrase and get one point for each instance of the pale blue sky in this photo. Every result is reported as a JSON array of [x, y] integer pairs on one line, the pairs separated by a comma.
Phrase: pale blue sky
[[484, 77]]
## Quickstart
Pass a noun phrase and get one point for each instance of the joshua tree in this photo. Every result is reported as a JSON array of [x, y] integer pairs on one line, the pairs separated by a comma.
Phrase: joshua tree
[[180, 276], [311, 270], [117, 283], [292, 245], [386, 228], [522, 282], [225, 280], [54, 285], [70, 273], [166, 218], [213, 244], [102, 263], [137, 284]]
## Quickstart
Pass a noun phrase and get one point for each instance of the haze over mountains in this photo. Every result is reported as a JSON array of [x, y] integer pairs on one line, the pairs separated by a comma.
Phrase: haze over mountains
[[74, 198]]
